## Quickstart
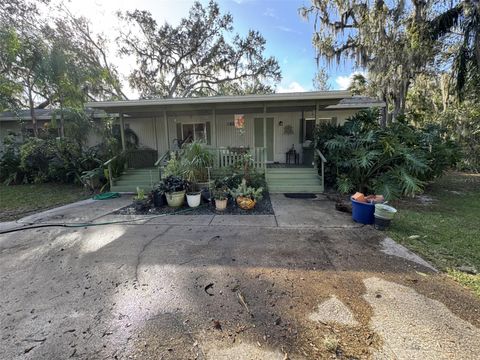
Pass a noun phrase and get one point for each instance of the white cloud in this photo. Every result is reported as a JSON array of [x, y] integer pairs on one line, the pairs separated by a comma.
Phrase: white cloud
[[287, 29], [270, 12], [292, 87], [343, 82]]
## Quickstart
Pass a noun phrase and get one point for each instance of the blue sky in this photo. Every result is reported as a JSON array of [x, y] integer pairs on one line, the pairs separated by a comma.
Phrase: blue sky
[[288, 35], [289, 39]]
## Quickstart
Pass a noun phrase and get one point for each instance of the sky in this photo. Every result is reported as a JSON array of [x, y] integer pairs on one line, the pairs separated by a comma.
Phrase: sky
[[288, 35]]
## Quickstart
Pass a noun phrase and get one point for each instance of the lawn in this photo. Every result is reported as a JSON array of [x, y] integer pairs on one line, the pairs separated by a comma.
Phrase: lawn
[[443, 226], [21, 200]]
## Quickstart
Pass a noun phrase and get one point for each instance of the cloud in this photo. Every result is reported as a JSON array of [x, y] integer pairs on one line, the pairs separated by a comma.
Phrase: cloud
[[270, 12], [287, 29], [292, 87], [343, 82]]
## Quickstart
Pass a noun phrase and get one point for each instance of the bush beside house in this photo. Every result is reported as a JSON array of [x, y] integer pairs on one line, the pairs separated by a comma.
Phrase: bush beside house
[[394, 161]]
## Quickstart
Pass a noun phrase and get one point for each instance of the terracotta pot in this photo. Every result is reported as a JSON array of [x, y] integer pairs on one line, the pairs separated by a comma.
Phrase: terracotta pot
[[175, 199], [245, 203], [221, 205]]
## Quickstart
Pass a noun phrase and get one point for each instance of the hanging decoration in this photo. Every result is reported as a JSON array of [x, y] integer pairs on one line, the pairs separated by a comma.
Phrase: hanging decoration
[[239, 121], [288, 130]]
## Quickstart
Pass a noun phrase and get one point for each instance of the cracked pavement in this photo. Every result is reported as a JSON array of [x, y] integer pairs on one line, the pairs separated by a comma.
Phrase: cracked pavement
[[143, 290]]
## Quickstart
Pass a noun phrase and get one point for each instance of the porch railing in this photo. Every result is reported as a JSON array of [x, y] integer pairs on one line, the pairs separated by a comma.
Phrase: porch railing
[[225, 157], [108, 164], [320, 158], [160, 163]]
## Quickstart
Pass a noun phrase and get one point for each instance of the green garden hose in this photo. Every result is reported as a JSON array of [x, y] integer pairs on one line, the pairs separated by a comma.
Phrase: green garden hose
[[106, 196], [78, 225]]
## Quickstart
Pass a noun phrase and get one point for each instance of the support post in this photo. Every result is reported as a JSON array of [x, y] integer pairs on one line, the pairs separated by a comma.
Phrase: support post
[[122, 131], [154, 119], [265, 131], [122, 135], [214, 128], [167, 136], [323, 175]]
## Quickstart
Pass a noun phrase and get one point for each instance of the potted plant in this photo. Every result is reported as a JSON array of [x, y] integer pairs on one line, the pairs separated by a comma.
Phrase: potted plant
[[140, 201], [174, 187], [246, 196], [220, 196], [196, 159], [158, 195], [193, 197]]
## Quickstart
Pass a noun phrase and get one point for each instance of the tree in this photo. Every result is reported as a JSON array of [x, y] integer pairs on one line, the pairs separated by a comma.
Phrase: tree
[[90, 52], [358, 84], [460, 23], [387, 39], [56, 63], [320, 81], [194, 58]]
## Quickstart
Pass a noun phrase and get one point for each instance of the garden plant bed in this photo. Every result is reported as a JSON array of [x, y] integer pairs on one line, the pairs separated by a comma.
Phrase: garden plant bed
[[263, 207]]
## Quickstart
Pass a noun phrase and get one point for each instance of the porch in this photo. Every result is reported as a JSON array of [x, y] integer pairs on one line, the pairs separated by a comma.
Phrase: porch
[[280, 177], [276, 129]]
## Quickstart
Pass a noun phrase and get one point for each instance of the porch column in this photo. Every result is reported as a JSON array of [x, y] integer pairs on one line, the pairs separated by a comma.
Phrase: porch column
[[316, 124], [264, 125], [167, 137], [265, 151], [122, 131], [214, 128]]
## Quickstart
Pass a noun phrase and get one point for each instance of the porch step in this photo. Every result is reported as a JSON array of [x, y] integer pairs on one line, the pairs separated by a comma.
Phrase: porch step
[[144, 178], [293, 180], [295, 189]]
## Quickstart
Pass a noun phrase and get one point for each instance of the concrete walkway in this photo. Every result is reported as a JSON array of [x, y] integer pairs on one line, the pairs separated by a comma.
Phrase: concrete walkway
[[306, 283]]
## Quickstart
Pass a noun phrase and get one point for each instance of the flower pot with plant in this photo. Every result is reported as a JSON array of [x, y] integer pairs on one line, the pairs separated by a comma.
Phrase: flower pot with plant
[[196, 159], [174, 187], [158, 195], [193, 197], [140, 201], [246, 196], [220, 196]]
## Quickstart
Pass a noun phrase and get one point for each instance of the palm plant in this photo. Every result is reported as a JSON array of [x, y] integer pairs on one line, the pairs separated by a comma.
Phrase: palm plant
[[464, 18], [195, 160]]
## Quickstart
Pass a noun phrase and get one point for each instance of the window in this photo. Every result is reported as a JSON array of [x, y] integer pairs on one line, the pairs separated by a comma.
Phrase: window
[[195, 131]]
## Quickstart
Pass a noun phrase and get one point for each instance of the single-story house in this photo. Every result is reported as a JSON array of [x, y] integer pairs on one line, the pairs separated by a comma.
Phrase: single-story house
[[20, 123], [275, 128]]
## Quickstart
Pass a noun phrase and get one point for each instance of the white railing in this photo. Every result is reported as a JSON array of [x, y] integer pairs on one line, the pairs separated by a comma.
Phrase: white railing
[[320, 158], [225, 157]]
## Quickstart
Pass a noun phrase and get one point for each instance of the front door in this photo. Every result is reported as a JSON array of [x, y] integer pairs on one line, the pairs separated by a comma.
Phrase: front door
[[264, 134]]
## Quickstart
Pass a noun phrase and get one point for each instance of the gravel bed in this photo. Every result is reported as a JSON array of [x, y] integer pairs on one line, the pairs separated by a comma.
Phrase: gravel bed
[[263, 207]]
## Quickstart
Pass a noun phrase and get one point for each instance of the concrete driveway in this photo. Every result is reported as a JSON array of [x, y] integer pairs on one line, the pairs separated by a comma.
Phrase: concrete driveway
[[304, 284]]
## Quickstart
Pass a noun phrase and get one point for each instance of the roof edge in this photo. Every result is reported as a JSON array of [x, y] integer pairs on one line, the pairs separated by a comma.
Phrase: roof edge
[[307, 95]]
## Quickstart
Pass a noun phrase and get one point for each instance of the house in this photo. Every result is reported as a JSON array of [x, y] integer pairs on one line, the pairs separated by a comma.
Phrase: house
[[20, 123], [275, 128]]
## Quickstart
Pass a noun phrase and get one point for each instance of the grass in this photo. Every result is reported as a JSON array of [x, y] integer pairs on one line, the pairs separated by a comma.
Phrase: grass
[[20, 200], [443, 226]]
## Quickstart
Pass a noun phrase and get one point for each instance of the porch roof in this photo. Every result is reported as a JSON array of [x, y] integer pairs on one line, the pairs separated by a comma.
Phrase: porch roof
[[323, 98]]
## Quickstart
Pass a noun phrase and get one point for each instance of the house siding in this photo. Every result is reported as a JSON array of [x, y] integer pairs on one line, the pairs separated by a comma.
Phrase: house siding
[[224, 134]]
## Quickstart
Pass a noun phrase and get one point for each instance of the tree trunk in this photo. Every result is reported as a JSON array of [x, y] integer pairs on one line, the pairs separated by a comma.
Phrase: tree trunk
[[62, 120], [32, 112]]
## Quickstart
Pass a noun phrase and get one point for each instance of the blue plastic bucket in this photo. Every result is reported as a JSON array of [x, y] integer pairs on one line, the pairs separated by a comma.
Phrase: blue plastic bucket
[[363, 213]]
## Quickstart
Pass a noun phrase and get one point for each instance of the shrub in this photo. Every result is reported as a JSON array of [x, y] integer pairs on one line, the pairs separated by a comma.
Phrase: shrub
[[10, 172], [394, 161]]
